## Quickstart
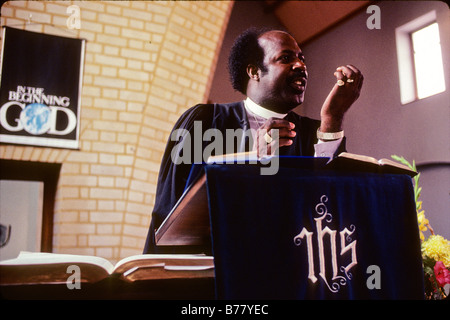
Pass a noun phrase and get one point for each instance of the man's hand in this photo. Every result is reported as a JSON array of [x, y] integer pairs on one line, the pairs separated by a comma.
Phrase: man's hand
[[344, 93], [274, 133]]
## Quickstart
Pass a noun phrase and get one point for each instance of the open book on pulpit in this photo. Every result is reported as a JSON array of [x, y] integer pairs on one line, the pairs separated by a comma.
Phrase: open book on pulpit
[[351, 162], [53, 268], [188, 222]]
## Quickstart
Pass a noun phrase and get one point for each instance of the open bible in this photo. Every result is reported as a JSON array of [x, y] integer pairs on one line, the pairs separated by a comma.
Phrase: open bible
[[352, 162], [53, 268]]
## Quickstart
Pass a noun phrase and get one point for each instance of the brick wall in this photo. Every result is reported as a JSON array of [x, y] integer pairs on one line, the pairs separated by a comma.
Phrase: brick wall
[[146, 62]]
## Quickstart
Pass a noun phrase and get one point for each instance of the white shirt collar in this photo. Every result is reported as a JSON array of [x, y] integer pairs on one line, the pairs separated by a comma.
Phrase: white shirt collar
[[260, 111]]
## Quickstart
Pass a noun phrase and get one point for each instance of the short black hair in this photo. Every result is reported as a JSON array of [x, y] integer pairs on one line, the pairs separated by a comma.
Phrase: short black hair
[[245, 50]]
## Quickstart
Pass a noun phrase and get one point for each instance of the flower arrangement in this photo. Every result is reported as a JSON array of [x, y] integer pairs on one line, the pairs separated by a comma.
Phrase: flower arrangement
[[435, 248]]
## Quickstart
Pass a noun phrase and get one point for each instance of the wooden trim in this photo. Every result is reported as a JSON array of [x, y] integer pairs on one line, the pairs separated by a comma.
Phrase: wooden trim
[[336, 24]]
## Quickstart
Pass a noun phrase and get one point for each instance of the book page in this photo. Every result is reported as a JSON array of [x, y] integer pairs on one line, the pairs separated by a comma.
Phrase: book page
[[387, 162], [179, 261], [358, 157], [43, 258], [165, 266], [234, 157], [384, 165]]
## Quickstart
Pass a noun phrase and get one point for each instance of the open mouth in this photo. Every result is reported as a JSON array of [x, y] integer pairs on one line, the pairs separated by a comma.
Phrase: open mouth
[[299, 84]]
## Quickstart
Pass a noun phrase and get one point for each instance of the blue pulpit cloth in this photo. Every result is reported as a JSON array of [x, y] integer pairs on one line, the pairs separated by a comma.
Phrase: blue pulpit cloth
[[307, 234]]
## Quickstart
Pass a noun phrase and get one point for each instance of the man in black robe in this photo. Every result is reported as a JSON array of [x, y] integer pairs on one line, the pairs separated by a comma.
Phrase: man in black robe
[[268, 67]]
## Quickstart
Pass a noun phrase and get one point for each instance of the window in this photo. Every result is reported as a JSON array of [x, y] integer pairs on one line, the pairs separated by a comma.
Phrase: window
[[419, 57], [429, 72]]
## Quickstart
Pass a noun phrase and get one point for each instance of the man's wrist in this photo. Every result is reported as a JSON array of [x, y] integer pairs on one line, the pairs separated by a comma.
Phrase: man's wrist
[[329, 136], [331, 123]]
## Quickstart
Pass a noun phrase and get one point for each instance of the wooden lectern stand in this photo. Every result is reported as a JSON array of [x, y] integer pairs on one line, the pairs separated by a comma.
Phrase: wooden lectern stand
[[188, 223]]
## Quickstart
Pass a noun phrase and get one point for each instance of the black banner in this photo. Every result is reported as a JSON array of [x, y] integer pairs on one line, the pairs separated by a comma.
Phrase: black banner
[[40, 89]]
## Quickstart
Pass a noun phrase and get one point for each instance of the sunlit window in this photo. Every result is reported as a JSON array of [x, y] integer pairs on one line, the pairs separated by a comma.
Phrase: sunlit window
[[429, 71], [419, 57]]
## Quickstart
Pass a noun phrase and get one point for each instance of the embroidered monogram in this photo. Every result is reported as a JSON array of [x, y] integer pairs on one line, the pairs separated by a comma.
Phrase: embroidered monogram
[[339, 276]]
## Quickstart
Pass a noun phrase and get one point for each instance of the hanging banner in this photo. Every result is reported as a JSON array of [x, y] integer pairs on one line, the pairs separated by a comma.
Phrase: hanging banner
[[40, 91]]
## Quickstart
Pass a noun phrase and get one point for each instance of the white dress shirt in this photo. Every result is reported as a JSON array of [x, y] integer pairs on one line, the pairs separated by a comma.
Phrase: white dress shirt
[[257, 115]]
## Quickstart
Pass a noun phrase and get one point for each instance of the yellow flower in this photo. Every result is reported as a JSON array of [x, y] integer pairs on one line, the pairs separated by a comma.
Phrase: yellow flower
[[423, 222], [438, 248], [422, 237]]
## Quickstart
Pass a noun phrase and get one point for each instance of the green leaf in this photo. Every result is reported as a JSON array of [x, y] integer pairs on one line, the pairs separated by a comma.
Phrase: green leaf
[[402, 160]]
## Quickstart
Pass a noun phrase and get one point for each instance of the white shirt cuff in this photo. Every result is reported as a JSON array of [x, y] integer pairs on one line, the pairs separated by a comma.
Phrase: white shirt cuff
[[326, 148]]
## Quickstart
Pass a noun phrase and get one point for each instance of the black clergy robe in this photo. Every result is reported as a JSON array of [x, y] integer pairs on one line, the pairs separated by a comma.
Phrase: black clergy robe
[[173, 177]]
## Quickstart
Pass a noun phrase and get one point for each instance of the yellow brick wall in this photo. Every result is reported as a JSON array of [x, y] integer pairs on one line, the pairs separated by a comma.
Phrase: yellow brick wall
[[146, 62]]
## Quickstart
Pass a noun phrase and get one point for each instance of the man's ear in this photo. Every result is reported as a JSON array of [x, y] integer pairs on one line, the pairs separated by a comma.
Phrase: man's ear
[[253, 72]]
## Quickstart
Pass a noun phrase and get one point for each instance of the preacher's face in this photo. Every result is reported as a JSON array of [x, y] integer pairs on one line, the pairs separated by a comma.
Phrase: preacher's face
[[282, 85]]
